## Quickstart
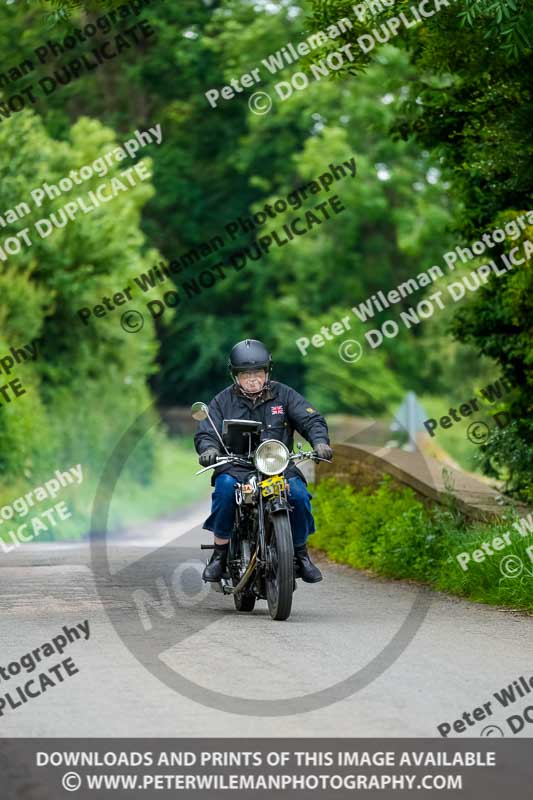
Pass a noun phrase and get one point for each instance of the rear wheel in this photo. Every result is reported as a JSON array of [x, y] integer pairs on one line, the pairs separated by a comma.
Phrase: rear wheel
[[280, 567], [244, 601]]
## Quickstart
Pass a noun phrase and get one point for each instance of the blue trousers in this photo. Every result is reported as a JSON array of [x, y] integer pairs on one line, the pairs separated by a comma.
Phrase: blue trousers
[[222, 516]]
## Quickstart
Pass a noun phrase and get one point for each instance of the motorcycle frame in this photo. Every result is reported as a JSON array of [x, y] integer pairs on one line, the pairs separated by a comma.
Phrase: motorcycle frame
[[258, 558]]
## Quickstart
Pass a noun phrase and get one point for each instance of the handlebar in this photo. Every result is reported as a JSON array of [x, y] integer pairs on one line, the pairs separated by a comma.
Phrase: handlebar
[[248, 462], [311, 454], [231, 459]]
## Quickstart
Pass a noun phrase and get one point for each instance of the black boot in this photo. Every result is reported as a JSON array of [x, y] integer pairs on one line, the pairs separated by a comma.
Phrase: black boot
[[305, 569], [217, 564]]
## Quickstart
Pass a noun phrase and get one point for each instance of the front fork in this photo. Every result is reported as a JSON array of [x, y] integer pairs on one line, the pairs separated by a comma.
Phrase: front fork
[[274, 503]]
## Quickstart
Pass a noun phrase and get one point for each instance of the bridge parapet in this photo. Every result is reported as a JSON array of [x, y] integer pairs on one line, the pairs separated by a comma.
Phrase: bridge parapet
[[362, 465]]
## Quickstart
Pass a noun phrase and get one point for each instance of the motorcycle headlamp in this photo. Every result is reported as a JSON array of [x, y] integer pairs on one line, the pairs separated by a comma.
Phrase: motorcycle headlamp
[[271, 457]]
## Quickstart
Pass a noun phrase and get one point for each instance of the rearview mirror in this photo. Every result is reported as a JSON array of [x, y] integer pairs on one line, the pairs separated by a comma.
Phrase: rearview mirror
[[199, 411]]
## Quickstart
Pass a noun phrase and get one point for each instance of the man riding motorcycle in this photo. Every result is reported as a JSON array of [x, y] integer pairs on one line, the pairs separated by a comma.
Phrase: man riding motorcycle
[[253, 396]]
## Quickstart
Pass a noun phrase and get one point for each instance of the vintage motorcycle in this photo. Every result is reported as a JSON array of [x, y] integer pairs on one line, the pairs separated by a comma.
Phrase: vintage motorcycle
[[260, 562]]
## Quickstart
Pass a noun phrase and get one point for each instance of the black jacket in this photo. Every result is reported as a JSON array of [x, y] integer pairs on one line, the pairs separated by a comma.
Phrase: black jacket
[[281, 410]]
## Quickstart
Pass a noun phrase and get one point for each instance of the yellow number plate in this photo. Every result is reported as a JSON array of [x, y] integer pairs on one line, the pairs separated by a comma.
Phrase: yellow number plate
[[274, 485]]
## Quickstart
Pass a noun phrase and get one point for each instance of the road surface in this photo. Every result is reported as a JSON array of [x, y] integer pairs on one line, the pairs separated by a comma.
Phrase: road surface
[[166, 623]]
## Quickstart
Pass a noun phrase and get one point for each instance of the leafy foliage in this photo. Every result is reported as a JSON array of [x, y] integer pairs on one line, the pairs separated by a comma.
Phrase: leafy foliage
[[85, 378], [471, 105], [390, 532], [450, 82], [509, 23]]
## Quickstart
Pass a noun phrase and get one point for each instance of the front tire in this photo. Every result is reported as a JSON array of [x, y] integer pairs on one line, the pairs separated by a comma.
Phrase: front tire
[[280, 567]]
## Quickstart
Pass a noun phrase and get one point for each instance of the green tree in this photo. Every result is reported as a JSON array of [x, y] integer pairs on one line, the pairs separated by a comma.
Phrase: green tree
[[470, 104], [88, 382]]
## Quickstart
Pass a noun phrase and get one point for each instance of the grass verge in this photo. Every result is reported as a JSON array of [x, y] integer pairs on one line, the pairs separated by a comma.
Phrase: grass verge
[[391, 533]]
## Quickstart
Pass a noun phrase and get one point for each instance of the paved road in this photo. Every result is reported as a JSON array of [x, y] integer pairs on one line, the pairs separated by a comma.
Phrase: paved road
[[168, 625]]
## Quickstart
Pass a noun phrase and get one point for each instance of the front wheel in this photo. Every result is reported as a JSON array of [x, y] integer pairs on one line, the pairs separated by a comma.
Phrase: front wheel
[[280, 567]]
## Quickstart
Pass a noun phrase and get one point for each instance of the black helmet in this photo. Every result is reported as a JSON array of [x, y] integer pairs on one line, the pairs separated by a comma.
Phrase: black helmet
[[249, 354]]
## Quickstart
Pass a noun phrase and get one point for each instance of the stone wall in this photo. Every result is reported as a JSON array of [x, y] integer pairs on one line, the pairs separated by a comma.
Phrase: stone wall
[[364, 466]]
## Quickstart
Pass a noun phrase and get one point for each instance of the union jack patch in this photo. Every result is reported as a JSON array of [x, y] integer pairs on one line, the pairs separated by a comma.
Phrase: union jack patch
[[277, 409]]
